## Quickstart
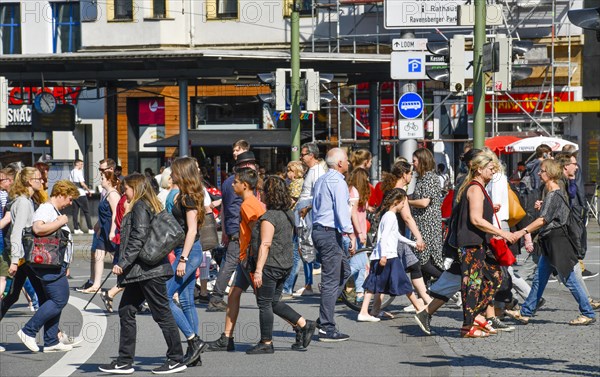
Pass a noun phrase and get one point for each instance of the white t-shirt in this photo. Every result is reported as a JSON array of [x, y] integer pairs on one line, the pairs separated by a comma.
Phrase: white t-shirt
[[76, 177], [309, 181], [47, 213], [388, 237]]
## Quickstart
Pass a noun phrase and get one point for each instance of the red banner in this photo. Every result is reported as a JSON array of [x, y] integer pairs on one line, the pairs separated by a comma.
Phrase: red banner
[[529, 101], [388, 124], [151, 111]]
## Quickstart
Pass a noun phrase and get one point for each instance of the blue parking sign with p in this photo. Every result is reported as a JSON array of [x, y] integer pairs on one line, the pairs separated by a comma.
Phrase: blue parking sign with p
[[415, 65]]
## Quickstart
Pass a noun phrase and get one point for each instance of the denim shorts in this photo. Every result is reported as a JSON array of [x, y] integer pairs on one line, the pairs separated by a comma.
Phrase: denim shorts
[[242, 278], [446, 285]]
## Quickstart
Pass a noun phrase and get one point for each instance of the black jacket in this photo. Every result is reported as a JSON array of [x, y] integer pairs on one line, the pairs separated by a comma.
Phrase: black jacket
[[134, 232]]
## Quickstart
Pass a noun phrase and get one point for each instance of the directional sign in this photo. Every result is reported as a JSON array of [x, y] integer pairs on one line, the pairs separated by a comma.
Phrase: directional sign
[[401, 14], [410, 105], [406, 65], [410, 129], [416, 44]]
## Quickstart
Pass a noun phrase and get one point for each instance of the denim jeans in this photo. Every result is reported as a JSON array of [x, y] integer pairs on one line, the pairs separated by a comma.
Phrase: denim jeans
[[23, 272], [268, 299], [540, 280], [358, 265], [335, 270], [288, 286], [48, 314], [228, 267], [31, 292], [186, 317]]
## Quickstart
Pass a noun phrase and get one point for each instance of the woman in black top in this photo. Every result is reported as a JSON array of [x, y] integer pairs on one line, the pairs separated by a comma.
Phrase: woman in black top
[[273, 265], [142, 282], [480, 279], [557, 251]]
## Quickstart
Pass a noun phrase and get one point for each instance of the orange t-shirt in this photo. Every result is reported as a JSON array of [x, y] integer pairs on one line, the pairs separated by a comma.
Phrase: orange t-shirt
[[250, 210]]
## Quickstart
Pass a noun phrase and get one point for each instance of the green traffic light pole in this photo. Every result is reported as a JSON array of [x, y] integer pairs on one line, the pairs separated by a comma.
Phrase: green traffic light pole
[[295, 57], [478, 75]]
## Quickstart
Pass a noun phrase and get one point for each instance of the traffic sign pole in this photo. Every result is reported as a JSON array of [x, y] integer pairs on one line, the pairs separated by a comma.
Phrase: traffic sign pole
[[478, 75], [295, 65]]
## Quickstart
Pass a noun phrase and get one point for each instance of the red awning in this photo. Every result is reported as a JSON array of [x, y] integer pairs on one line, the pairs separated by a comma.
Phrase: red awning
[[498, 143]]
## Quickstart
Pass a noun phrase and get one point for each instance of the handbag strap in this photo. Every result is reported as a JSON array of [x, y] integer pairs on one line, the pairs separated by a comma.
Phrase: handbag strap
[[488, 198]]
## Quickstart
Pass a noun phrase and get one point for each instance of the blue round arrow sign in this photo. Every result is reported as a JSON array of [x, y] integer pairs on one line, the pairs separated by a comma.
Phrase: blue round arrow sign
[[410, 105]]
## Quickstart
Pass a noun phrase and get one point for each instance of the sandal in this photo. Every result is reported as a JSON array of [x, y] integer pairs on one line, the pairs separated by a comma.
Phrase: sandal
[[486, 326], [107, 300], [91, 290], [472, 332]]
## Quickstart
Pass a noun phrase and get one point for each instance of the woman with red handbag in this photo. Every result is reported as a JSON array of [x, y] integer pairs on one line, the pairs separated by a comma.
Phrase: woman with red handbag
[[480, 279]]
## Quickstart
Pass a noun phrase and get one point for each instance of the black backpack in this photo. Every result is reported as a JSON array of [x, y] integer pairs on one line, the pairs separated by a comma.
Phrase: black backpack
[[574, 229]]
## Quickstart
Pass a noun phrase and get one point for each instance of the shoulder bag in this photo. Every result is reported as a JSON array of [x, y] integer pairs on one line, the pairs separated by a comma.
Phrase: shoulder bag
[[45, 251], [499, 247], [574, 228], [164, 234], [516, 213], [208, 232]]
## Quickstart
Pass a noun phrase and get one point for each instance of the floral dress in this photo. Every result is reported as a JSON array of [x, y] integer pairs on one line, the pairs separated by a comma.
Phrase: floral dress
[[429, 219]]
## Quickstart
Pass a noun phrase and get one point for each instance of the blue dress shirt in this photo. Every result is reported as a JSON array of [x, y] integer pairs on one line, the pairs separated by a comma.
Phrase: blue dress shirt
[[331, 200]]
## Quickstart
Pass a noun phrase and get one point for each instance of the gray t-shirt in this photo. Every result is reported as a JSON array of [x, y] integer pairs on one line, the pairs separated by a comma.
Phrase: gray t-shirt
[[281, 252]]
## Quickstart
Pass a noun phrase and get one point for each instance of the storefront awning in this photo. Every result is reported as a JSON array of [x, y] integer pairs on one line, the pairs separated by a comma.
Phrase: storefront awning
[[223, 138]]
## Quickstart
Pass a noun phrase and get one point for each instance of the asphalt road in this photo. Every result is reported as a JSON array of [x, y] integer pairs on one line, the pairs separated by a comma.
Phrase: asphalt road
[[545, 347]]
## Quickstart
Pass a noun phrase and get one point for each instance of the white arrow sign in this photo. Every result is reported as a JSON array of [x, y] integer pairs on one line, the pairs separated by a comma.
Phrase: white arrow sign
[[417, 44]]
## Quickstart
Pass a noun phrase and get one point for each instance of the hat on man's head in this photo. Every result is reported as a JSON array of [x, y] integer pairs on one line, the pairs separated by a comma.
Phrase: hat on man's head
[[245, 157], [467, 157]]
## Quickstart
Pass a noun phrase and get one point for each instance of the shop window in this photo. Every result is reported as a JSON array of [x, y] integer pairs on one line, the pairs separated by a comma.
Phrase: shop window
[[159, 8], [305, 7], [120, 10], [66, 27], [10, 28], [220, 9], [227, 110]]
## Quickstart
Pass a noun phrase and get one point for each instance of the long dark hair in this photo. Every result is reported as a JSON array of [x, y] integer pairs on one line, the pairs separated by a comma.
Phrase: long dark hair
[[188, 180], [391, 197], [276, 195]]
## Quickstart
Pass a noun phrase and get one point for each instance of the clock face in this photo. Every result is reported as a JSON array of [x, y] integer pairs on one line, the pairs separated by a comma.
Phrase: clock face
[[46, 103]]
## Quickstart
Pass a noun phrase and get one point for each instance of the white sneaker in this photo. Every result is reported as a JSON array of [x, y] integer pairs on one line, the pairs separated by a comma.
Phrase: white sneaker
[[367, 318], [69, 340], [58, 347], [2, 349], [303, 292], [91, 231], [29, 341], [316, 271], [410, 309], [77, 231]]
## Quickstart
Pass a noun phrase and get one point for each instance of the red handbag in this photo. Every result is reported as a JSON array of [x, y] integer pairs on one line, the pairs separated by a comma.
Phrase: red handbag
[[499, 246]]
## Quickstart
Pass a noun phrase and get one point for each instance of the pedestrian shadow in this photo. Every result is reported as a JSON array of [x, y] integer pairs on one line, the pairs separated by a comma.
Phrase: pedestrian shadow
[[524, 364]]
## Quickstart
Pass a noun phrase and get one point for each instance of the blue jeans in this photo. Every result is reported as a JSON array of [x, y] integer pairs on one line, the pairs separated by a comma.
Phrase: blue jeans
[[288, 286], [334, 272], [31, 293], [358, 265], [186, 317], [540, 280], [56, 287]]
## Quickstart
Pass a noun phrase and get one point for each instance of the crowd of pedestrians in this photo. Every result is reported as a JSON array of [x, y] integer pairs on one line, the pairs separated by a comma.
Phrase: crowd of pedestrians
[[321, 210]]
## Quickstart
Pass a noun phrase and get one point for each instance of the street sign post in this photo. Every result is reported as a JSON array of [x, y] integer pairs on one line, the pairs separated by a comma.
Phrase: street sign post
[[410, 129], [410, 105]]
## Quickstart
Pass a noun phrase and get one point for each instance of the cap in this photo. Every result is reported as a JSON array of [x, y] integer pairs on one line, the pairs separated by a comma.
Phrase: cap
[[467, 157], [244, 157]]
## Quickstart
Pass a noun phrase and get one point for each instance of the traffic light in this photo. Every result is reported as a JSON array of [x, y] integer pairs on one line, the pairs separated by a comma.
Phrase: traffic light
[[505, 70], [452, 52], [312, 87], [277, 83]]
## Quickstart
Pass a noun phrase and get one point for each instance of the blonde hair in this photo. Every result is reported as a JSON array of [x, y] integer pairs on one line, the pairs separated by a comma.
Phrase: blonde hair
[[65, 188], [480, 161], [359, 157], [553, 168], [142, 190], [21, 184], [297, 168]]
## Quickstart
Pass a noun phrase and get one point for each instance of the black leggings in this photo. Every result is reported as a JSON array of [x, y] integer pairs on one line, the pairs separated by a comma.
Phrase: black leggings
[[415, 271], [430, 271]]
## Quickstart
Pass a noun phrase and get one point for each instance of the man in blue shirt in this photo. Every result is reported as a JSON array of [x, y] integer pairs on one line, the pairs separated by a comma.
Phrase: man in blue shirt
[[230, 221], [331, 222]]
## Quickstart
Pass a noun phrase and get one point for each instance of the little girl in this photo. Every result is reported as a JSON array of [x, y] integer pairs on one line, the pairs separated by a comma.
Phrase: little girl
[[387, 274]]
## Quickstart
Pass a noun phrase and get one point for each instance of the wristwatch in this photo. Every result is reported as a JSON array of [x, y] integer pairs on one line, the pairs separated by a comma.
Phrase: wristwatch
[[183, 259], [526, 231]]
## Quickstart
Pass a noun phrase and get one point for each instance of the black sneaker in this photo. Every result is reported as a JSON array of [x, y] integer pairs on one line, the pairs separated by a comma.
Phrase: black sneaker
[[216, 305], [85, 286], [116, 368], [334, 336], [297, 346], [499, 325], [170, 366], [424, 321], [261, 349], [304, 335], [224, 343], [587, 274]]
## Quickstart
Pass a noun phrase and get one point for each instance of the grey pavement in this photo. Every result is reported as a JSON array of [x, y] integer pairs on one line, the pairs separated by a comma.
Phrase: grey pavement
[[548, 346]]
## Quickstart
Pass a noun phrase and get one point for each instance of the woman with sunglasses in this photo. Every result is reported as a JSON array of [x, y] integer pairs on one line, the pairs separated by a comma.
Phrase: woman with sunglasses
[[557, 251]]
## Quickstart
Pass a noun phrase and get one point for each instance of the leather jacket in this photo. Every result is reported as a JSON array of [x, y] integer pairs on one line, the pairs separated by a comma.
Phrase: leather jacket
[[134, 231]]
